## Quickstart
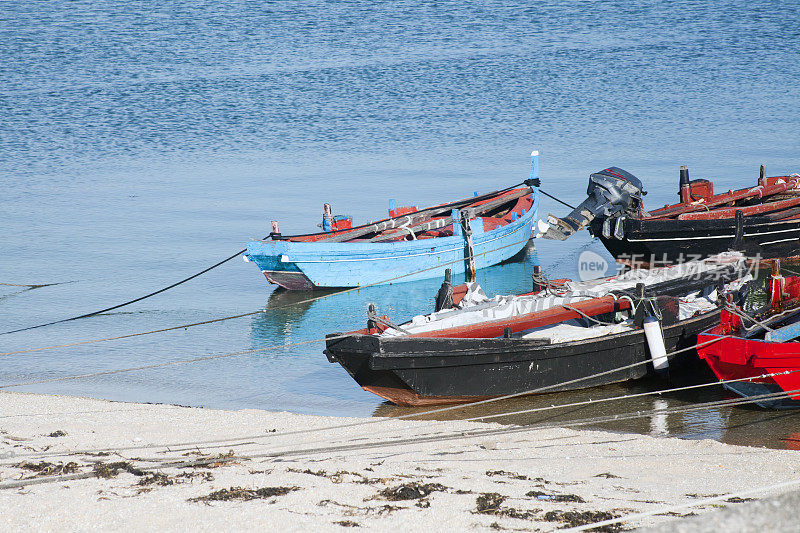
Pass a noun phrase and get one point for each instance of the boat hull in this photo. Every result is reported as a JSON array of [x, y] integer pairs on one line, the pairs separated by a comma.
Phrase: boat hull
[[731, 357], [416, 371], [750, 390], [675, 241], [310, 265]]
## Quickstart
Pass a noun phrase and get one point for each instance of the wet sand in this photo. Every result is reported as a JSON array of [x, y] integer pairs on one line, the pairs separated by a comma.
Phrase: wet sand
[[118, 462]]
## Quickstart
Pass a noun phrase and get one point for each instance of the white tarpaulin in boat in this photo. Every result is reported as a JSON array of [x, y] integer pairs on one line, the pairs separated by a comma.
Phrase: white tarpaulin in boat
[[567, 331], [476, 307], [574, 330]]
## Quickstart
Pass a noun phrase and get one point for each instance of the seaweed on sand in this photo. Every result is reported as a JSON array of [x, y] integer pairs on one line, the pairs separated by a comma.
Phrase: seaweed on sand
[[490, 503], [240, 493], [561, 498], [156, 478], [338, 476], [512, 475], [164, 480], [411, 491], [215, 461], [43, 468], [736, 499], [582, 518], [204, 476], [109, 470]]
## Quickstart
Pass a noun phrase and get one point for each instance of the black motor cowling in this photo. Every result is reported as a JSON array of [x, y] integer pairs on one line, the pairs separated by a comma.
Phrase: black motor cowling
[[611, 191]]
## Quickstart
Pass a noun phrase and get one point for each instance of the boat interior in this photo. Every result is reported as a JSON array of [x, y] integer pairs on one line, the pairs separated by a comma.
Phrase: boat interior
[[408, 223]]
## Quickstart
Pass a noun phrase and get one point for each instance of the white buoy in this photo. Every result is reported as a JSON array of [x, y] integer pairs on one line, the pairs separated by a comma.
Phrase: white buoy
[[655, 341], [534, 165]]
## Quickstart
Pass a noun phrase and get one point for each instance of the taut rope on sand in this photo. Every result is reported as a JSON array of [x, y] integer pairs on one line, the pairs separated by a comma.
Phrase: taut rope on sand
[[405, 441], [638, 414]]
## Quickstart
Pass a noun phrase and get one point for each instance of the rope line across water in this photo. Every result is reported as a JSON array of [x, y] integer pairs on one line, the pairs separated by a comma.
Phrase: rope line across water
[[87, 315], [251, 313], [556, 199], [163, 365], [154, 293], [349, 424]]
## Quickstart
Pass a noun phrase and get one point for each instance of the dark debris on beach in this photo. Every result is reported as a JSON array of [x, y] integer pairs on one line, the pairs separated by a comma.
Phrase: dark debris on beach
[[242, 494]]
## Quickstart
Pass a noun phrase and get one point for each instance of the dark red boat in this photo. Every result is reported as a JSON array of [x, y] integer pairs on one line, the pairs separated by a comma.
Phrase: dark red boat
[[760, 350]]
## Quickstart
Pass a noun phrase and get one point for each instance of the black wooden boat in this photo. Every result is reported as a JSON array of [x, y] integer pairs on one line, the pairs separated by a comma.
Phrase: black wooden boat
[[452, 357], [761, 221]]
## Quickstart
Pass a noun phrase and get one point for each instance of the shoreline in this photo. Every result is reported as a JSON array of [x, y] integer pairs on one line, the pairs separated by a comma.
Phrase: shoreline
[[290, 471]]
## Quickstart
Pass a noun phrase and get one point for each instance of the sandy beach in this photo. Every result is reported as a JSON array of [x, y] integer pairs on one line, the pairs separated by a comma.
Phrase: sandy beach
[[75, 463]]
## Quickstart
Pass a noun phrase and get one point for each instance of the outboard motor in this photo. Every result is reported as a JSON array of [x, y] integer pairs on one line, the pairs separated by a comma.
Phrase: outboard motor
[[611, 191]]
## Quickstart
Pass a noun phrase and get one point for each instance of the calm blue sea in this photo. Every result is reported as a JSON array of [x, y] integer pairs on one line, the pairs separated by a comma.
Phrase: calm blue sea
[[143, 141]]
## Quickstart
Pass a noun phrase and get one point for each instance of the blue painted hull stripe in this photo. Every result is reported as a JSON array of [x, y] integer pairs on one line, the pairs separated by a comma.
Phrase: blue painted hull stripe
[[436, 252]]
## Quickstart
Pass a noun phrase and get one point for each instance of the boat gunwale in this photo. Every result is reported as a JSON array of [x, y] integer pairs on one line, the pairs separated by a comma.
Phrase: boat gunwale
[[382, 356], [663, 213], [476, 199], [317, 251]]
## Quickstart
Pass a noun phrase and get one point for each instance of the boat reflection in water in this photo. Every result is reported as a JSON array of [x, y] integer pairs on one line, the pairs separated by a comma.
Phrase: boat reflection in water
[[296, 316], [300, 378], [747, 425]]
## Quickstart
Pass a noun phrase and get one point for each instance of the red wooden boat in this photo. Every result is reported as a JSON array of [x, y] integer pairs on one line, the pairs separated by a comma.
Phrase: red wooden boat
[[761, 351]]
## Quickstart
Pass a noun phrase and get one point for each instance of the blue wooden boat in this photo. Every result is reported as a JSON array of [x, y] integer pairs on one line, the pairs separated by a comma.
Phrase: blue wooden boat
[[411, 245]]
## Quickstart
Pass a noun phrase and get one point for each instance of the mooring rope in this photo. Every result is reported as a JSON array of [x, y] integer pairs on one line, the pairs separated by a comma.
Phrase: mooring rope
[[360, 422], [232, 440], [251, 313], [461, 434], [556, 199], [734, 309], [93, 313], [790, 271], [456, 435], [34, 285], [554, 288], [92, 411], [628, 396], [590, 318], [129, 302], [166, 364]]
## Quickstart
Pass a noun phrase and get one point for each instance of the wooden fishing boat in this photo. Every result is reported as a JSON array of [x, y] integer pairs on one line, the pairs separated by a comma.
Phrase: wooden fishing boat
[[548, 340], [761, 221], [412, 244], [761, 351]]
